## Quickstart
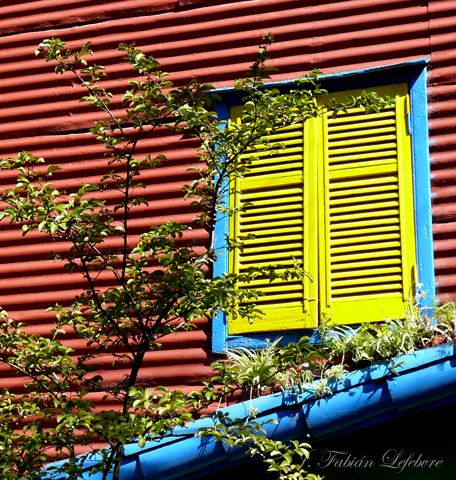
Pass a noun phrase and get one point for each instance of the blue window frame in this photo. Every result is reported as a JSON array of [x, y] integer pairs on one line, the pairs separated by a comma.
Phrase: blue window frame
[[414, 74]]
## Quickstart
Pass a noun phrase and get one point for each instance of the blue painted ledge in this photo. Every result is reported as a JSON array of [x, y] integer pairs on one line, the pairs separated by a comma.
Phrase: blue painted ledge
[[422, 380]]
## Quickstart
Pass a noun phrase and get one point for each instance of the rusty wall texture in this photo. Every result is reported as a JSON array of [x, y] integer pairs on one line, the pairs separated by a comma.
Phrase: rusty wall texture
[[214, 41]]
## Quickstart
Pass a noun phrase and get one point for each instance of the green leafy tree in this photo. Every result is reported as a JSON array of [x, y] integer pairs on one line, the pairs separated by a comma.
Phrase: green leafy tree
[[157, 287]]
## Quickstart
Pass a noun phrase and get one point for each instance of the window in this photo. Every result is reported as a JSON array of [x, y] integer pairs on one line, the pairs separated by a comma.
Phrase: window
[[348, 196]]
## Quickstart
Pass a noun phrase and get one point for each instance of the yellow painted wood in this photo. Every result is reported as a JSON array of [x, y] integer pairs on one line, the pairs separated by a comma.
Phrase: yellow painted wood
[[368, 272], [359, 124], [355, 136], [374, 307], [361, 149], [356, 224], [366, 238], [348, 207], [349, 178], [375, 245], [357, 115], [367, 220], [269, 255], [292, 291], [364, 264], [264, 282], [361, 191], [273, 199], [351, 234], [359, 256], [358, 215], [267, 233], [358, 293], [365, 282], [378, 158], [267, 219], [288, 238], [355, 198], [335, 193], [351, 144]]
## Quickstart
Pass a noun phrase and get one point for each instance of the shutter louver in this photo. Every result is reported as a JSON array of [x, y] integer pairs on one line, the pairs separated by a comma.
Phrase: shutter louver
[[367, 224], [272, 201]]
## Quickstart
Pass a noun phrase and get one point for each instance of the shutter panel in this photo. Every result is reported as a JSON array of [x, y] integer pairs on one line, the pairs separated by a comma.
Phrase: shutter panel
[[273, 203], [367, 227]]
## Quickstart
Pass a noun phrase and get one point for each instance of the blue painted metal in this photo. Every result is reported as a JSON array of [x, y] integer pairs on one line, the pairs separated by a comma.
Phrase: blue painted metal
[[219, 322], [422, 187], [413, 73], [406, 384]]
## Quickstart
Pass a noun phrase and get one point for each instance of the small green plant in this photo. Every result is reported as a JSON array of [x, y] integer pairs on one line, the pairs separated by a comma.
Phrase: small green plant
[[257, 369], [445, 327], [372, 342], [446, 314], [342, 349], [272, 368], [286, 460]]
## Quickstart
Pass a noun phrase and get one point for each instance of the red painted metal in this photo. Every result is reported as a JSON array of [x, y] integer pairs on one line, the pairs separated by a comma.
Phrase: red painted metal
[[442, 104], [215, 41]]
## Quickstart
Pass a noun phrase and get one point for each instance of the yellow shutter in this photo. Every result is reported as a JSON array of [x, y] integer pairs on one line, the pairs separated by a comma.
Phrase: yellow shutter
[[273, 202], [366, 226]]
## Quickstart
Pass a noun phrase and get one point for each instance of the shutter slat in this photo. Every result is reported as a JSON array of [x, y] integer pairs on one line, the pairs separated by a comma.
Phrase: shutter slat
[[293, 291], [272, 210], [266, 247], [363, 264], [265, 221], [368, 289], [361, 191], [357, 215], [366, 238], [297, 237], [363, 142], [266, 262], [352, 198], [352, 134], [366, 247], [360, 255], [346, 232], [264, 234], [292, 194], [361, 149], [348, 208], [364, 160], [260, 282], [364, 282], [358, 116], [354, 128], [370, 271], [269, 254]]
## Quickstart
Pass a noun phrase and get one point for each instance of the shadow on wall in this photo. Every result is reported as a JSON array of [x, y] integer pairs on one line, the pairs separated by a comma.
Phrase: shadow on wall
[[419, 447]]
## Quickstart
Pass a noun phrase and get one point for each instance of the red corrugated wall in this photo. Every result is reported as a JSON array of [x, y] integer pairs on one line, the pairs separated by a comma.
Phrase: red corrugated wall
[[214, 41]]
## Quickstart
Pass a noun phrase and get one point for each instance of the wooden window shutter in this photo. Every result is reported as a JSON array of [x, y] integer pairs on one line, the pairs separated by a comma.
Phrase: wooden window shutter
[[275, 208], [366, 219]]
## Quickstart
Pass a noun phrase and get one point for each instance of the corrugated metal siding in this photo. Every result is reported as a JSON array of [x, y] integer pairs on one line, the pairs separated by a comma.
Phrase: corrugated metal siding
[[442, 107], [25, 266], [22, 16], [215, 42]]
